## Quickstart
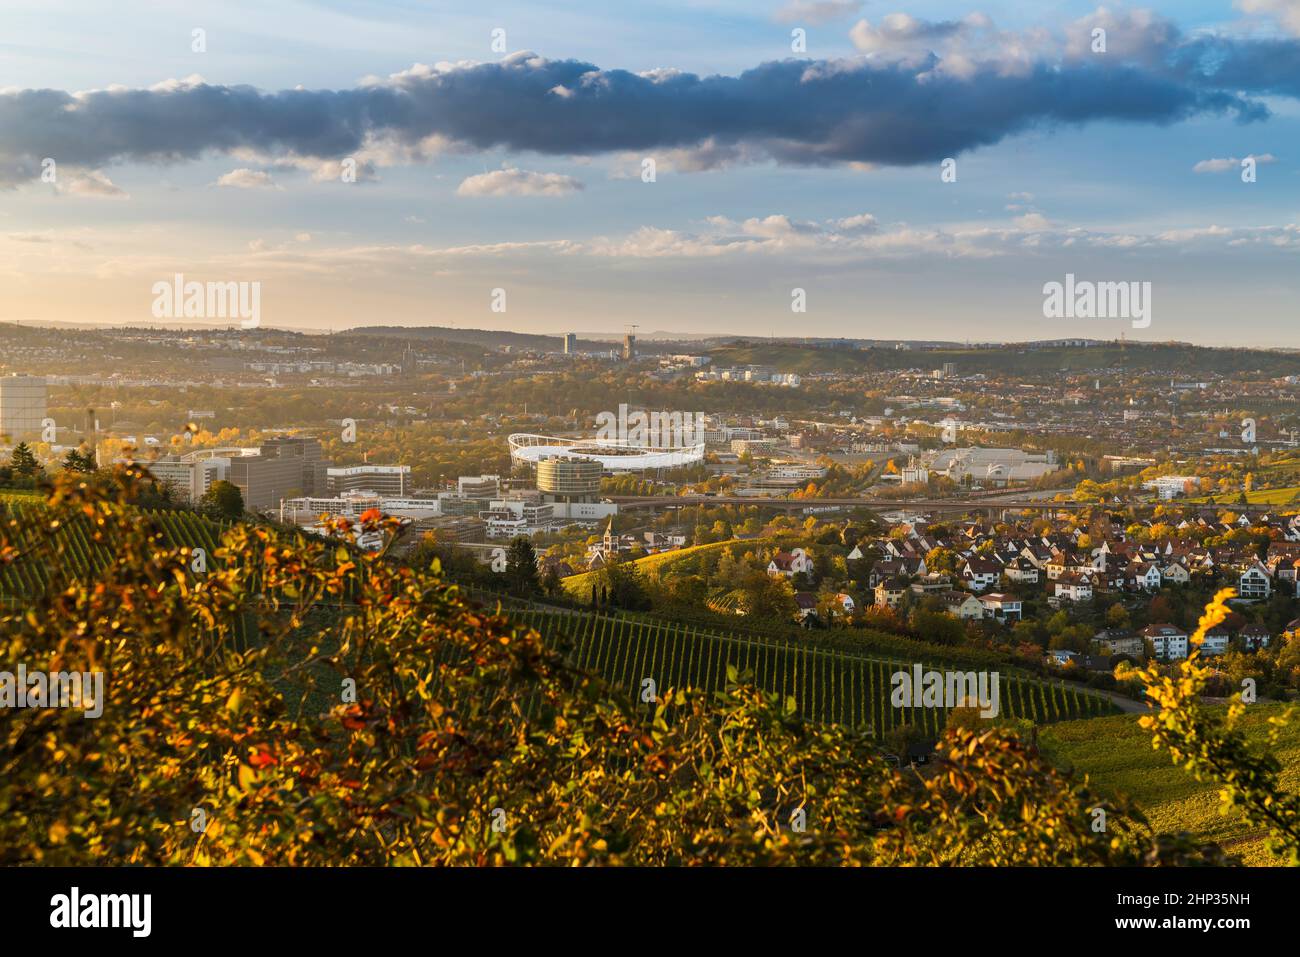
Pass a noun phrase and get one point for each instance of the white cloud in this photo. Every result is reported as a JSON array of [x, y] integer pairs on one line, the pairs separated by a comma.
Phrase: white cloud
[[511, 181], [1227, 163], [1033, 222], [243, 178], [94, 184]]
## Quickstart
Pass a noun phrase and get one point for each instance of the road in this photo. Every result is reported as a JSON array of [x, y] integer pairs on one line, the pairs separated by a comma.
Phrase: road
[[1025, 500]]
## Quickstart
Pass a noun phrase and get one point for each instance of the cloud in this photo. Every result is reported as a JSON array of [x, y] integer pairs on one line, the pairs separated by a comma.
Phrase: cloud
[[94, 184], [1285, 12], [972, 84], [510, 181], [247, 179], [1231, 163], [49, 238], [1033, 222], [816, 11], [900, 31]]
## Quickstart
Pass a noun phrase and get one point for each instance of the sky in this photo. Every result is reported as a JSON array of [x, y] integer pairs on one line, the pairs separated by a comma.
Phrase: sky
[[920, 171]]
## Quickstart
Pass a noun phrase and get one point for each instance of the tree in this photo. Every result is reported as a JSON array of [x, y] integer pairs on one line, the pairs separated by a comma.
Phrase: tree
[[1213, 748], [23, 461], [767, 597], [76, 461], [623, 587], [521, 566], [223, 500], [938, 627]]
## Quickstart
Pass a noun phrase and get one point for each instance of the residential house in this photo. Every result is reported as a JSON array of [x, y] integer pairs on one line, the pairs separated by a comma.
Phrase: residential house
[[1022, 571], [1255, 637], [893, 567], [1215, 641], [932, 584], [1175, 574], [1144, 576], [805, 605], [1167, 641], [1073, 587], [890, 592], [962, 604], [1254, 582], [790, 564], [1120, 641], [1000, 606], [980, 573]]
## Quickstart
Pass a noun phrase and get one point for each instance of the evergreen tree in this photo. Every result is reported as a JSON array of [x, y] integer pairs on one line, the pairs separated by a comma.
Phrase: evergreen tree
[[23, 461], [521, 566], [77, 461]]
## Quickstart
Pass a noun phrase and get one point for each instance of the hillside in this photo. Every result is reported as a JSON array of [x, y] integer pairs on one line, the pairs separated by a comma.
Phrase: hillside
[[579, 585], [827, 684], [487, 338], [1117, 756], [73, 548]]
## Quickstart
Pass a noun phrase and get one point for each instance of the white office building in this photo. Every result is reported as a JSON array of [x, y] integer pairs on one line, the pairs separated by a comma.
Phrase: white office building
[[394, 480], [189, 478]]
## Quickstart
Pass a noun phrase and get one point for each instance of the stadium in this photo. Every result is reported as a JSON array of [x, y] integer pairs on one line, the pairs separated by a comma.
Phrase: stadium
[[613, 455]]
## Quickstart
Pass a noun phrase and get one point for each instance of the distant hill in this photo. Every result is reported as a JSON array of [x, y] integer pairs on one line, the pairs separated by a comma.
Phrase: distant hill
[[496, 339], [1174, 358]]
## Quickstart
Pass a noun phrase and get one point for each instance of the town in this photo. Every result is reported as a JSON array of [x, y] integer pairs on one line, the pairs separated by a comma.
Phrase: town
[[952, 494]]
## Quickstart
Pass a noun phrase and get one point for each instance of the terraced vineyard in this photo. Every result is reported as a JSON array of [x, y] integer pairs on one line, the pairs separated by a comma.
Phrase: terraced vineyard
[[74, 549], [828, 685]]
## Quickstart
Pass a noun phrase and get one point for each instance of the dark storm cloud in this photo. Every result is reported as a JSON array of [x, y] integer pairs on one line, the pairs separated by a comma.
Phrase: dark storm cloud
[[868, 110], [1269, 66]]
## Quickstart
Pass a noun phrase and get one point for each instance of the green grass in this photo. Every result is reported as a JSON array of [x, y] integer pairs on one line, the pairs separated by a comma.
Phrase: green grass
[[1267, 496], [1117, 756], [580, 585]]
